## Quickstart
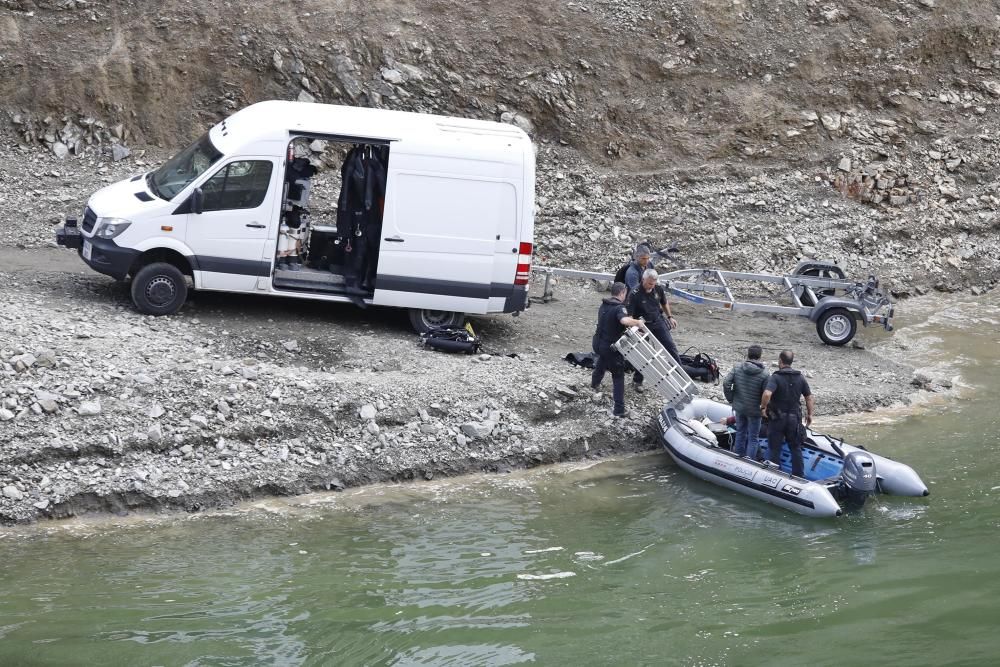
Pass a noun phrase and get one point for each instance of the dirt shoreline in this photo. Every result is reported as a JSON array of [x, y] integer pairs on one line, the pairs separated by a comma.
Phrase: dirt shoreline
[[238, 398]]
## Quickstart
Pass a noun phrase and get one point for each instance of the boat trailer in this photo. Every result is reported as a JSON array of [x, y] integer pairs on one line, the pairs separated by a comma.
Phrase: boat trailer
[[816, 290]]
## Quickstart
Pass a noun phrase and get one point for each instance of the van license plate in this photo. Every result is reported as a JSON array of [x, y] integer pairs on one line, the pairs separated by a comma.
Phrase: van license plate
[[87, 250]]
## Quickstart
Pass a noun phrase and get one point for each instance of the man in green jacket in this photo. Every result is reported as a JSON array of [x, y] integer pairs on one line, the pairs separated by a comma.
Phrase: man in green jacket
[[743, 387]]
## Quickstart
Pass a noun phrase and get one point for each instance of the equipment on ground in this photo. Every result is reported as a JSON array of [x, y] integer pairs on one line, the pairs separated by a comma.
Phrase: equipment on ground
[[700, 366], [837, 476], [452, 339]]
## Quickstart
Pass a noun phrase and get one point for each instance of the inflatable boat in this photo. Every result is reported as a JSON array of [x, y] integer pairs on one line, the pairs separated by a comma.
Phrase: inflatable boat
[[837, 476]]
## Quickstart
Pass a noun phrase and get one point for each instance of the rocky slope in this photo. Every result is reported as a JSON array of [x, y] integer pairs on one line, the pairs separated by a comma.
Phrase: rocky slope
[[752, 133]]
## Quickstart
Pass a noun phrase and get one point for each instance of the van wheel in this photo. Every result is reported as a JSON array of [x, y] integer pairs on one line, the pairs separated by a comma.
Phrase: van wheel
[[836, 326], [159, 289], [423, 321]]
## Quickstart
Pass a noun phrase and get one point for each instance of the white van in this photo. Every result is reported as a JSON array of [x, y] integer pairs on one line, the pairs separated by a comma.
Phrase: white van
[[433, 214]]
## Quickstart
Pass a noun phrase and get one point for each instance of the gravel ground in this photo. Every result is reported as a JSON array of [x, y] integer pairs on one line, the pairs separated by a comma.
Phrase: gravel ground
[[107, 410]]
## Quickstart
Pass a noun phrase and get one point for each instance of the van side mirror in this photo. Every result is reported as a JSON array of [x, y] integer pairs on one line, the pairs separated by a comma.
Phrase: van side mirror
[[197, 201]]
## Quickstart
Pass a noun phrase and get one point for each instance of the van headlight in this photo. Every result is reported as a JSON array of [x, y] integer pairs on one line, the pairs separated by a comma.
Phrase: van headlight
[[108, 228]]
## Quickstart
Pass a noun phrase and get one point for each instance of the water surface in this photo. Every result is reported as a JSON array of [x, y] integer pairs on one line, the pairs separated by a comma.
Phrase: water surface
[[628, 562]]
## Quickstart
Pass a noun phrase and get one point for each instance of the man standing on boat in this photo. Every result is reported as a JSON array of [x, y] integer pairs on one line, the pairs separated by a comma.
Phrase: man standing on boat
[[743, 387], [612, 319], [781, 404]]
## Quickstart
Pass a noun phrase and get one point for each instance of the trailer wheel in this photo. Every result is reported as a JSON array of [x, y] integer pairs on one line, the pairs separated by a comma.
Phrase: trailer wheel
[[836, 326], [423, 321], [159, 289]]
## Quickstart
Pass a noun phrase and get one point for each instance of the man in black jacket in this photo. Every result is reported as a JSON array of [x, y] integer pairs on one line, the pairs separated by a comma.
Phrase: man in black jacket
[[612, 318], [649, 302], [781, 405]]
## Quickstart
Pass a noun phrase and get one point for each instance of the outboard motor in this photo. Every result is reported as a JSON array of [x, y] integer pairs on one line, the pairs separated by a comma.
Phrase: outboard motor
[[858, 478]]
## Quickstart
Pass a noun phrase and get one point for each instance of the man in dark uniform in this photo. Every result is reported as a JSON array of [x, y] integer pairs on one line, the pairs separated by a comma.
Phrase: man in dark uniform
[[649, 302], [612, 319], [780, 403]]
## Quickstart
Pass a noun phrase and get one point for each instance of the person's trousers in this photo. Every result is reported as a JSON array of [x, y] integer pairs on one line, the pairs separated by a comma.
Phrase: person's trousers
[[747, 432], [612, 362], [661, 332], [785, 427]]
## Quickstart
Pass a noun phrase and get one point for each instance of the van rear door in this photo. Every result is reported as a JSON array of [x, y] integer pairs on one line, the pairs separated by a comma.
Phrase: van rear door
[[440, 233]]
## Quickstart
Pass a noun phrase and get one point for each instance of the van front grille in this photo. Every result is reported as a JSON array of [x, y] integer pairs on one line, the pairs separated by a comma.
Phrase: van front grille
[[89, 218]]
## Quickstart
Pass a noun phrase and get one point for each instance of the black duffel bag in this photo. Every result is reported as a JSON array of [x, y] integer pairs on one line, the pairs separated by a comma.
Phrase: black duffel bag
[[700, 366]]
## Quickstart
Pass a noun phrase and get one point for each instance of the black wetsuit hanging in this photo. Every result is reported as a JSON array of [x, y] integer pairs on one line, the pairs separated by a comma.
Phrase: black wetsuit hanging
[[374, 202], [350, 212]]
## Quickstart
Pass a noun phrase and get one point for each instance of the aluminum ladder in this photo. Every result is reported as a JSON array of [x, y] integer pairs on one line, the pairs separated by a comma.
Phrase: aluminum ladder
[[648, 356]]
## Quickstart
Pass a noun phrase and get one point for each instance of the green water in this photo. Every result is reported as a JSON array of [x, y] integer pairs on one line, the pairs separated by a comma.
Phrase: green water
[[628, 562]]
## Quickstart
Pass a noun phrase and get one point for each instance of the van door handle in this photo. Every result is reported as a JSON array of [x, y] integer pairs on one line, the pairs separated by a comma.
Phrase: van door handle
[[256, 225], [394, 239]]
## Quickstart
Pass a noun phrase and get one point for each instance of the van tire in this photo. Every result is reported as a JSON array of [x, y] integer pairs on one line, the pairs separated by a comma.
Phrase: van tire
[[423, 321], [159, 289]]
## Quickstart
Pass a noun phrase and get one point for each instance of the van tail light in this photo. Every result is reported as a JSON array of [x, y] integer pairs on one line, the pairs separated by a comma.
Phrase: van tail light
[[523, 274]]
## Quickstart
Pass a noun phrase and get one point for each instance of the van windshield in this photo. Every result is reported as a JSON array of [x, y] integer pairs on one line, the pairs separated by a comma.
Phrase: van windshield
[[178, 172]]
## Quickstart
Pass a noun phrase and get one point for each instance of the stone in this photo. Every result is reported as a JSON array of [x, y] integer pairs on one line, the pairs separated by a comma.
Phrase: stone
[[119, 152], [291, 345], [344, 70], [305, 96], [89, 409], [992, 87], [60, 150], [367, 411], [411, 72], [6, 415], [277, 61], [199, 421], [831, 121], [46, 358], [41, 504], [12, 492], [476, 430], [48, 405], [24, 361], [393, 76], [187, 450], [155, 434], [519, 120], [156, 411], [461, 440], [844, 164], [372, 428], [142, 378]]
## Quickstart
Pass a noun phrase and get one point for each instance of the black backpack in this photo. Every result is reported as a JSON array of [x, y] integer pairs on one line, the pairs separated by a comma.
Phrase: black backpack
[[620, 273], [700, 366]]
